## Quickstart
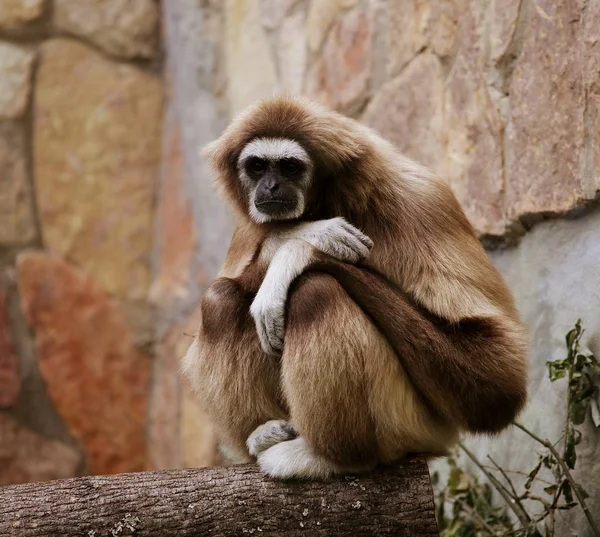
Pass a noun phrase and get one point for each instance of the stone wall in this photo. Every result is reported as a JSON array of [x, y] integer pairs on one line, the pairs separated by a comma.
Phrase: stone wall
[[501, 97], [87, 385]]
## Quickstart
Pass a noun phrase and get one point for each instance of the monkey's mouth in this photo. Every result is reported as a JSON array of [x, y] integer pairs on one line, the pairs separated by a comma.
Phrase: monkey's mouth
[[275, 206]]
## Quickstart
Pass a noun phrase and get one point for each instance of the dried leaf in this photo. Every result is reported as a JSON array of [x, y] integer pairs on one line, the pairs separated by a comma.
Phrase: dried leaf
[[532, 475], [582, 492], [595, 412]]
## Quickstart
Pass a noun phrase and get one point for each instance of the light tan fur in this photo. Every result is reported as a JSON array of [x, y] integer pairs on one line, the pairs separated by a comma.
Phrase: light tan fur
[[394, 355]]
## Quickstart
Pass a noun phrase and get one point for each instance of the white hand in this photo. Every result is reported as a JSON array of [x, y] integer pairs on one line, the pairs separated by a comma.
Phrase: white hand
[[337, 238], [334, 237], [268, 307]]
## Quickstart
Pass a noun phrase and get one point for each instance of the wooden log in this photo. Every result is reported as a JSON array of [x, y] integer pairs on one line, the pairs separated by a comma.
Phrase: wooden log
[[231, 501]]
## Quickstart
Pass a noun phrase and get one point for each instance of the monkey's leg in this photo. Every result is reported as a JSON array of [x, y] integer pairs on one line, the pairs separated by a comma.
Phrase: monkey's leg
[[350, 401], [237, 383]]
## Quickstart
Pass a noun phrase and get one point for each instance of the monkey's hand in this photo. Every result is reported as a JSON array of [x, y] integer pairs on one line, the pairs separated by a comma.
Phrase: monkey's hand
[[268, 307], [336, 237]]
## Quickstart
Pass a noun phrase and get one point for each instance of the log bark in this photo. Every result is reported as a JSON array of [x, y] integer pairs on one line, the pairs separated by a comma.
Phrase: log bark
[[232, 501]]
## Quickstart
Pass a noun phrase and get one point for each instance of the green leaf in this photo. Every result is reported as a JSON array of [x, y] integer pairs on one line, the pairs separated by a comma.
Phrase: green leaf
[[567, 492], [578, 412], [550, 490], [570, 454], [556, 370], [571, 337], [568, 506], [548, 461]]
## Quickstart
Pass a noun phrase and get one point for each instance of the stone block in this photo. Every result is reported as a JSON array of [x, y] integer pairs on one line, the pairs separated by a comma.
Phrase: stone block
[[407, 24], [17, 221], [503, 27], [291, 53], [16, 63], [16, 13], [97, 151], [340, 77], [10, 383], [251, 73], [176, 233], [545, 132], [444, 25], [408, 111], [95, 377], [591, 40], [475, 130], [272, 12], [26, 456], [124, 28]]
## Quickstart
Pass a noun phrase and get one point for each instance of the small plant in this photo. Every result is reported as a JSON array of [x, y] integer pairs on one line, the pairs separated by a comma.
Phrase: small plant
[[465, 505]]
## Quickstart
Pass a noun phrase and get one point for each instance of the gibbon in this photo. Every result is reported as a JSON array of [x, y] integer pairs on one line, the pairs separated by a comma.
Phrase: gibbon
[[357, 318]]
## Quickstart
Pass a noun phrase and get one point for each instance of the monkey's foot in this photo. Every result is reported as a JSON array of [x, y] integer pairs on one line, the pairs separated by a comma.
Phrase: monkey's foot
[[268, 434], [294, 459]]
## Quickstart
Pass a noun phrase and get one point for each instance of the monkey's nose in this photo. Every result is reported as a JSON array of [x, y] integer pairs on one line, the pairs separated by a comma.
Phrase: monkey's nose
[[272, 185]]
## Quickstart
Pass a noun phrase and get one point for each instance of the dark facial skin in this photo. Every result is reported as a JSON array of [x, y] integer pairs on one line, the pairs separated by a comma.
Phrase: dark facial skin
[[278, 184]]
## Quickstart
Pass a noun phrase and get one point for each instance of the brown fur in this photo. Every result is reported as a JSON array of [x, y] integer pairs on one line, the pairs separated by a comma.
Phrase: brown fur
[[391, 357]]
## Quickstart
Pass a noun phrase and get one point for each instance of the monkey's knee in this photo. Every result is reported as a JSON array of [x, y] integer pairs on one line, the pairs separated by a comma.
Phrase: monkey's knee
[[225, 309], [324, 373], [311, 301]]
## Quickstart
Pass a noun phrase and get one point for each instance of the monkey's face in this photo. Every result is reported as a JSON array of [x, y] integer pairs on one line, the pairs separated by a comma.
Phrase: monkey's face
[[275, 174]]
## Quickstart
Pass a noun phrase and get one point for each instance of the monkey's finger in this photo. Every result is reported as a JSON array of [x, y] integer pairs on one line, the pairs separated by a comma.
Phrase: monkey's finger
[[343, 251], [263, 337], [354, 231], [275, 333], [355, 246]]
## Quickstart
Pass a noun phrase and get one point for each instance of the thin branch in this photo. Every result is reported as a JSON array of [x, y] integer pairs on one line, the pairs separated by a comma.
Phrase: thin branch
[[476, 517], [510, 483], [523, 517], [525, 474], [568, 476]]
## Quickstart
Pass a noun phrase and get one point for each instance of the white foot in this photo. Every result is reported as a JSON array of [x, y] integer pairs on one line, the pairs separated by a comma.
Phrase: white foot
[[268, 434], [295, 459]]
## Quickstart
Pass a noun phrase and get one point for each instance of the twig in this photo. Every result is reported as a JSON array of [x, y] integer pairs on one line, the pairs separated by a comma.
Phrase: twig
[[567, 474], [476, 517], [525, 474], [514, 506], [510, 483]]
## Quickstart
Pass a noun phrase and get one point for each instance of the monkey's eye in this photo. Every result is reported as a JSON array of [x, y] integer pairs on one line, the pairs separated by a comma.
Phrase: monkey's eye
[[290, 166], [256, 165]]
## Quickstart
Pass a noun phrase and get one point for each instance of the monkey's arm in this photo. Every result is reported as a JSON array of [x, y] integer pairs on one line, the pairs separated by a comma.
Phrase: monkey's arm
[[296, 247], [471, 373]]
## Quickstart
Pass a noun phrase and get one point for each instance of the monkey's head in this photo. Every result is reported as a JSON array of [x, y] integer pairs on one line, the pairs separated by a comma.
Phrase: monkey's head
[[286, 158], [275, 174]]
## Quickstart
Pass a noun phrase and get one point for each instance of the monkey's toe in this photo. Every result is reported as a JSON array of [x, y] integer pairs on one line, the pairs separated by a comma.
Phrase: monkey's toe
[[268, 434]]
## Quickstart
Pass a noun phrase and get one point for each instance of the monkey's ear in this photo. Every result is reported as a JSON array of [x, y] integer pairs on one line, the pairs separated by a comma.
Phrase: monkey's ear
[[210, 150], [220, 153]]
